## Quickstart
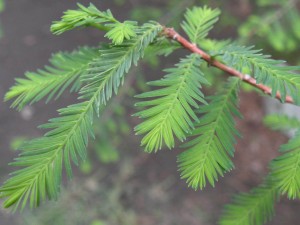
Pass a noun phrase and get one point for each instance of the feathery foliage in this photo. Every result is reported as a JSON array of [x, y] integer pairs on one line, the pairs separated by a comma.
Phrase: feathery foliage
[[175, 109], [91, 16], [199, 21], [68, 137], [281, 122], [170, 111], [209, 153], [285, 169], [254, 208], [84, 16], [267, 71], [42, 158], [65, 70], [117, 60], [121, 31]]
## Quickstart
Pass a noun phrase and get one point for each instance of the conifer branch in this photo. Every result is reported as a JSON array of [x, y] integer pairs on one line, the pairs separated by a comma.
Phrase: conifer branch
[[174, 35], [253, 208]]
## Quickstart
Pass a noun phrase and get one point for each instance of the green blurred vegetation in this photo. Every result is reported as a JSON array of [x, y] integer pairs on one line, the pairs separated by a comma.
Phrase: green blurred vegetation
[[2, 6], [274, 25], [78, 206]]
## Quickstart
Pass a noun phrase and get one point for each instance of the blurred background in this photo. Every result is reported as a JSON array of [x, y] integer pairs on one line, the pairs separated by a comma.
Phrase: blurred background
[[119, 183]]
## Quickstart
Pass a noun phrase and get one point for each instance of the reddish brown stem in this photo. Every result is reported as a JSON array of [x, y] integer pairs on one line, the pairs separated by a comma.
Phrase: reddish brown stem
[[172, 34]]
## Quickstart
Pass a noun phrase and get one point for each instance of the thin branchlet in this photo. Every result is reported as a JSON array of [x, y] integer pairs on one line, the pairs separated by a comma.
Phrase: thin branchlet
[[174, 35]]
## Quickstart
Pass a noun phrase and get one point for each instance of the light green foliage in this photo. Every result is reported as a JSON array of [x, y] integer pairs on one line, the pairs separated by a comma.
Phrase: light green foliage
[[199, 21], [208, 154], [267, 71], [42, 158], [67, 140], [280, 28], [114, 62], [91, 16], [84, 16], [285, 169], [281, 122], [121, 31], [176, 109], [170, 111], [65, 70], [254, 208], [2, 5]]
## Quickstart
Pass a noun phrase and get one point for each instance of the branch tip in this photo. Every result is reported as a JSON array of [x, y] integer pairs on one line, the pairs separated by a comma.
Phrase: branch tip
[[172, 34]]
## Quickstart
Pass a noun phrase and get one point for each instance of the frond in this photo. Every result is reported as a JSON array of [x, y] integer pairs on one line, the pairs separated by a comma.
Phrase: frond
[[285, 169], [42, 158], [83, 16], [254, 208], [121, 31], [117, 60], [67, 139], [209, 153], [65, 70], [270, 72], [103, 20], [281, 122], [170, 112], [199, 21]]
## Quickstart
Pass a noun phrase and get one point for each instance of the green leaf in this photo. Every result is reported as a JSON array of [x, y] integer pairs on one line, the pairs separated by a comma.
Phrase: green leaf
[[121, 31], [267, 71], [208, 154], [170, 112], [103, 20], [84, 16], [199, 21], [67, 139], [65, 70], [2, 5], [281, 122], [254, 208], [285, 169]]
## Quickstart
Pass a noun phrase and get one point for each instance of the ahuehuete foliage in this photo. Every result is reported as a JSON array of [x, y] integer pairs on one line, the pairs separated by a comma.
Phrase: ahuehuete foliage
[[175, 110]]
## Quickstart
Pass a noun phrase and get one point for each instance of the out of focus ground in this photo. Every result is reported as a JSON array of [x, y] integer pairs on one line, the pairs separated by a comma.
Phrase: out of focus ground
[[140, 189]]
